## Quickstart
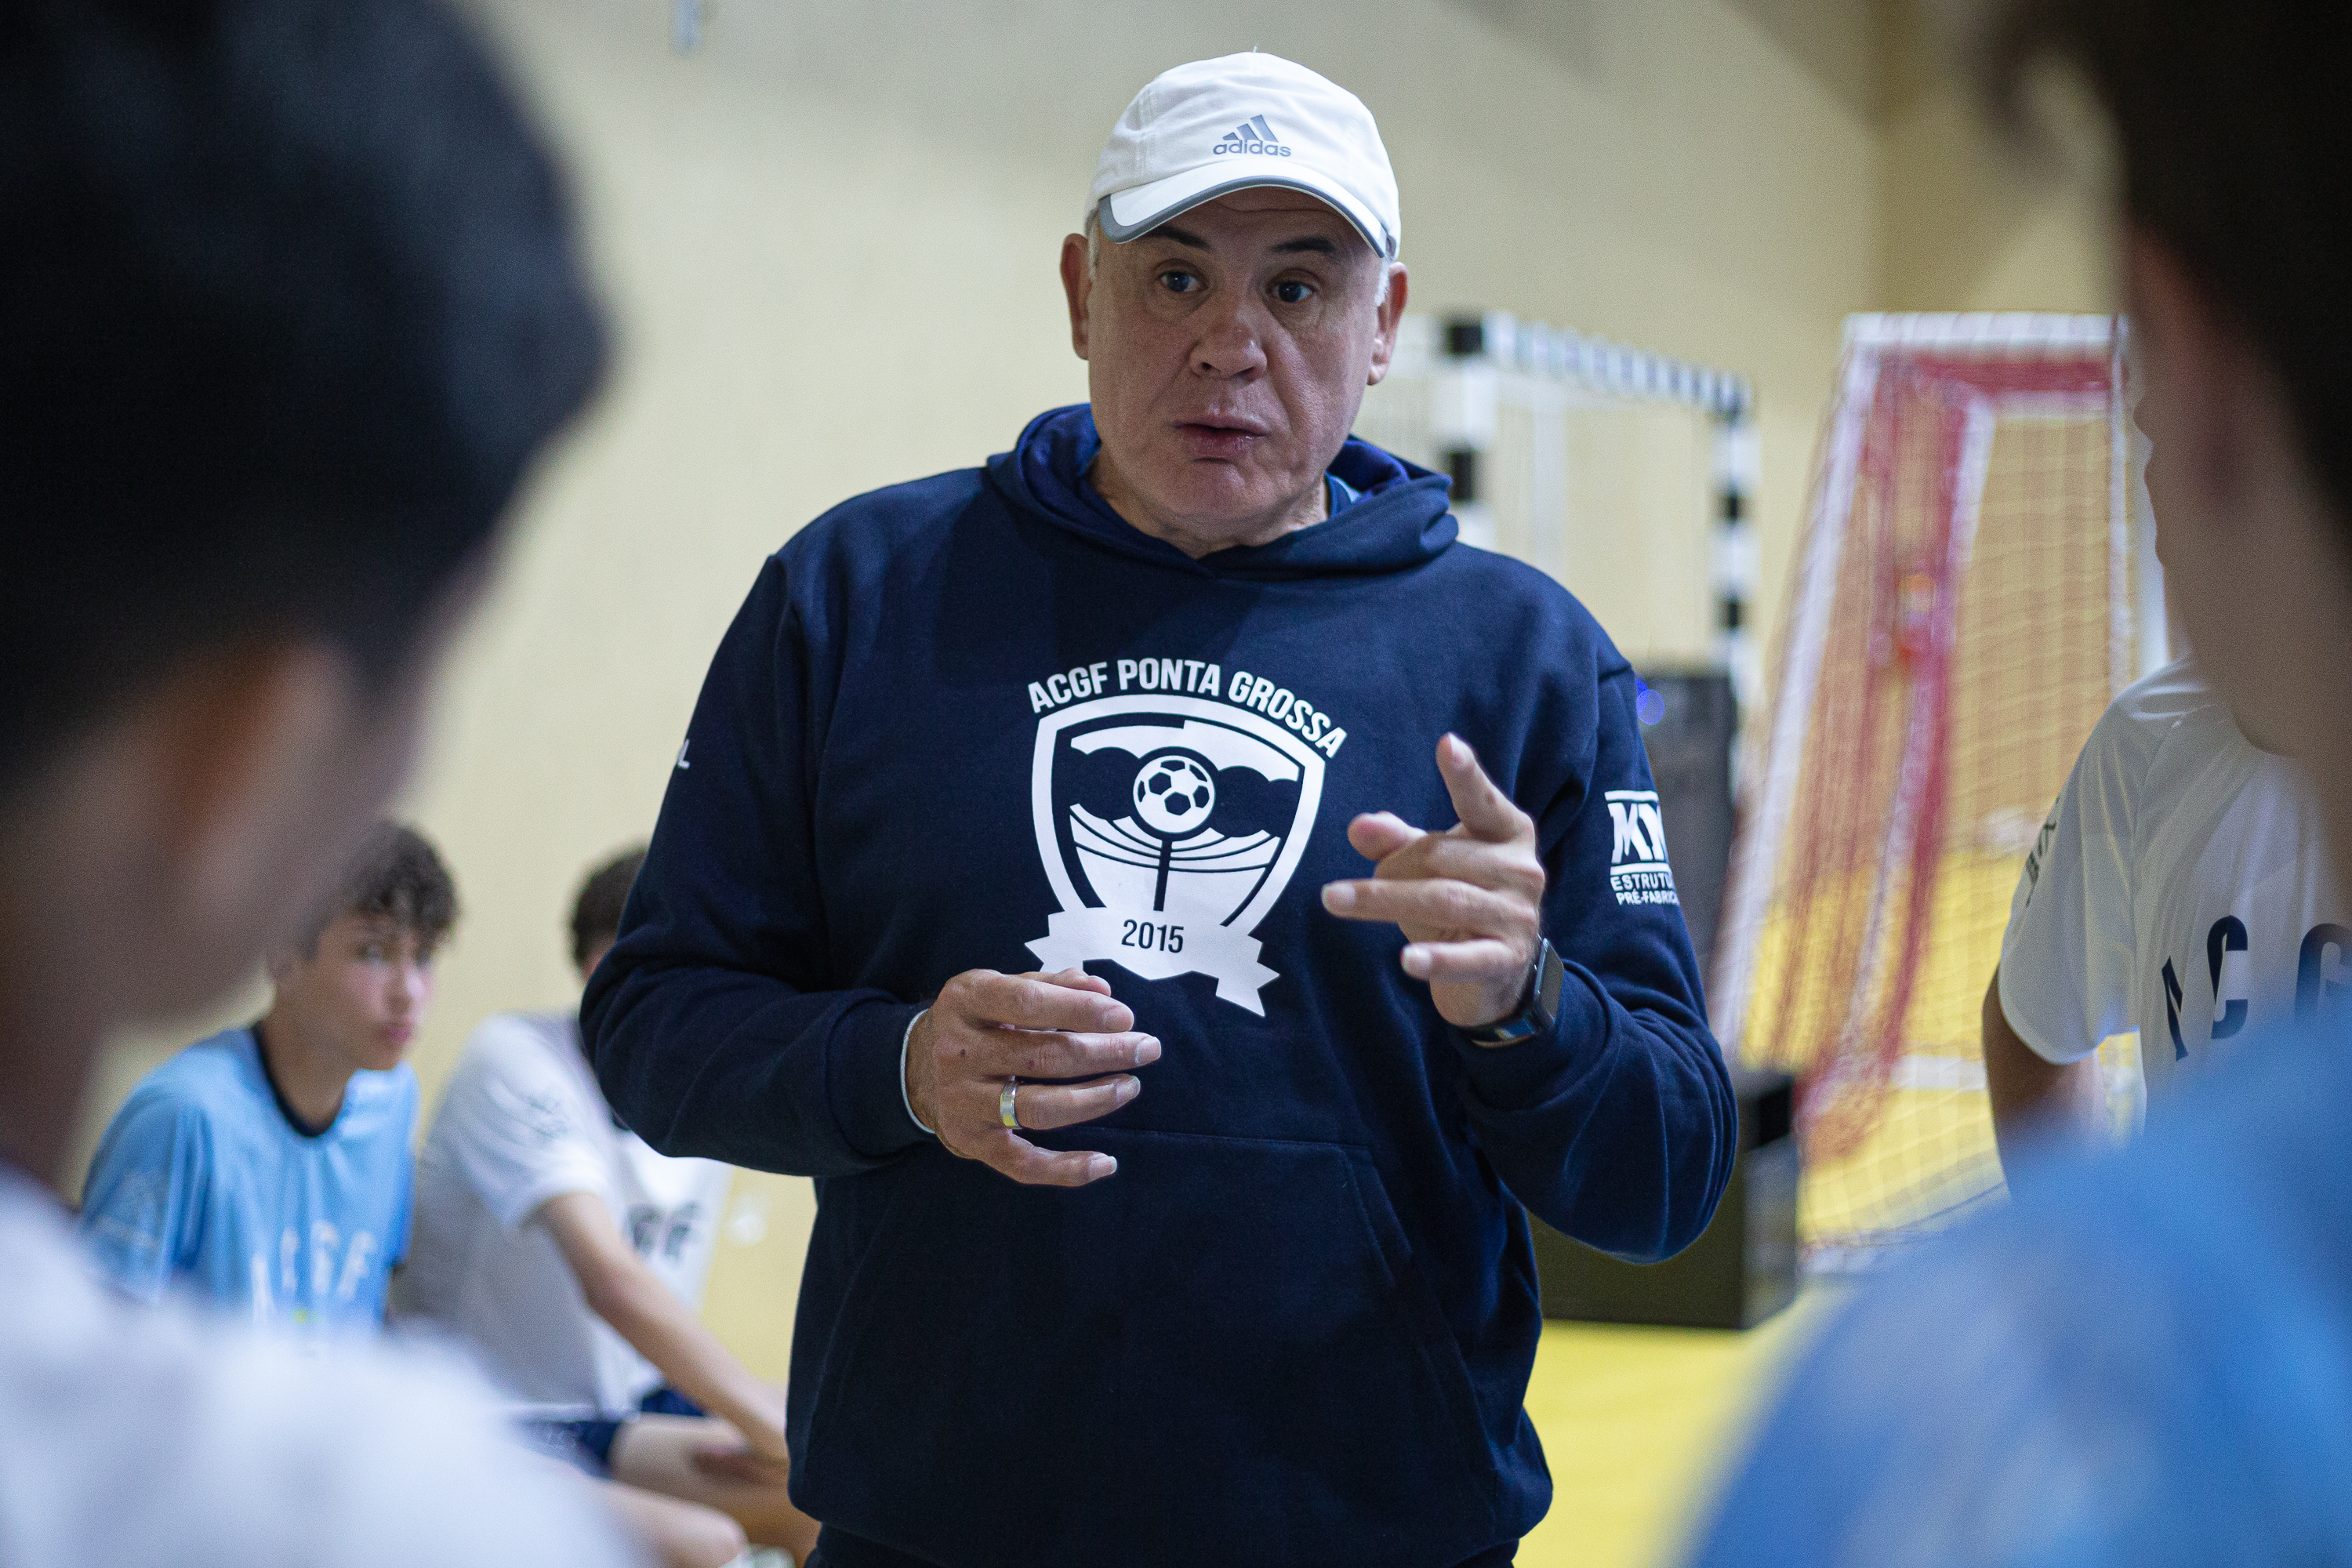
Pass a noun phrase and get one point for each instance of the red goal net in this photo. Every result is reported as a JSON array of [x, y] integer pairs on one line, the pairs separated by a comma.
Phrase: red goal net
[[1963, 610]]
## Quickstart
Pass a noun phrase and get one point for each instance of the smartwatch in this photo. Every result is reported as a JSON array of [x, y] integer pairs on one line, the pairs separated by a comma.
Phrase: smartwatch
[[1538, 1010]]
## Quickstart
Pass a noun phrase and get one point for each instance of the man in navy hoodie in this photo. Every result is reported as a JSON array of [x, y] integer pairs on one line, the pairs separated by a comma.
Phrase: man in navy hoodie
[[1066, 746]]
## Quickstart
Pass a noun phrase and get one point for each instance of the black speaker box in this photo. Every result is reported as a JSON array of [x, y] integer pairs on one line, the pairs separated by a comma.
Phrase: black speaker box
[[1689, 718], [1743, 1267]]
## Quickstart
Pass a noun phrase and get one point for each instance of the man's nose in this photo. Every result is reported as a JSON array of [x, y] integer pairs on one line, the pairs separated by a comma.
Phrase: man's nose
[[1233, 340], [408, 987]]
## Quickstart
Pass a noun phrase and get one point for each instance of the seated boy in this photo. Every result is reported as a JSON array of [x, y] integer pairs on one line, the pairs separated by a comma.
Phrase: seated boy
[[267, 1168], [571, 1258], [2181, 886]]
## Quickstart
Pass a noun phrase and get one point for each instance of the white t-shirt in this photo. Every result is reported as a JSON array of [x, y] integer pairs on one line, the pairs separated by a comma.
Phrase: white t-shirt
[[137, 1434], [523, 1121], [2181, 886]]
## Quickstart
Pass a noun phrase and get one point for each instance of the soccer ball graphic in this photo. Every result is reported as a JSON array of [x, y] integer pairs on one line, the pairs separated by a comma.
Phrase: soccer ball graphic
[[1174, 793]]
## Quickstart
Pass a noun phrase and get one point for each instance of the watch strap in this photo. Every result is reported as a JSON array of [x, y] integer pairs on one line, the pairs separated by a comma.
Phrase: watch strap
[[1538, 1008]]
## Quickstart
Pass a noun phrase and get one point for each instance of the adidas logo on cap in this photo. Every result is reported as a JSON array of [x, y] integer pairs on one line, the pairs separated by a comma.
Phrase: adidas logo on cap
[[1252, 136]]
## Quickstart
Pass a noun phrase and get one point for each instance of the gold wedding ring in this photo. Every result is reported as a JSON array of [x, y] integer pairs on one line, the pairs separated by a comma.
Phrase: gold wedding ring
[[1006, 1110]]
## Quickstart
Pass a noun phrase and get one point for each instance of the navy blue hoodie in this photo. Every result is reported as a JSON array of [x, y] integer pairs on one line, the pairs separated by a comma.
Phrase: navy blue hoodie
[[980, 721]]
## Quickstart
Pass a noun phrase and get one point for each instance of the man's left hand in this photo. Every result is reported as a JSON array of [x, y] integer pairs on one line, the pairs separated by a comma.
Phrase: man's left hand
[[1469, 900]]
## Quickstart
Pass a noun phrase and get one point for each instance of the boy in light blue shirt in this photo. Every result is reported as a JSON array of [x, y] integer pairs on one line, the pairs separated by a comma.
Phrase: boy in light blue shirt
[[266, 1169]]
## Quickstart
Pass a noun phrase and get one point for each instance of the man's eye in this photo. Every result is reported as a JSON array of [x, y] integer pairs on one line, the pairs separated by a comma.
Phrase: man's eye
[[371, 951], [1177, 281], [1293, 290]]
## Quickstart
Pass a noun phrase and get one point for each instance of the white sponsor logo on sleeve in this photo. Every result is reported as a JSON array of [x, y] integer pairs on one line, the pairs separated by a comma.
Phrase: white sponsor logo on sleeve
[[1638, 872]]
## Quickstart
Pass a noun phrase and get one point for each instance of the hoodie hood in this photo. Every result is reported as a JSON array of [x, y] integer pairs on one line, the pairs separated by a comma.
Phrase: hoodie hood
[[1398, 521]]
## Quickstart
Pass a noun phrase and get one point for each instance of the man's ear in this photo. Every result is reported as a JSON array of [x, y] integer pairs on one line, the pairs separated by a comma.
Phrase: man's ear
[[1384, 336], [1078, 286]]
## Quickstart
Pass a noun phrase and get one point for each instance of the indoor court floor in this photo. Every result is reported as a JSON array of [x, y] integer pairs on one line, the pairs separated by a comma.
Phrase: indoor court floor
[[1638, 1423]]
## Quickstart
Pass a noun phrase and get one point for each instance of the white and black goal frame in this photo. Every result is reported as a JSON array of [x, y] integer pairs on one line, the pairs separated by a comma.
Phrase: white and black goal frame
[[1475, 362]]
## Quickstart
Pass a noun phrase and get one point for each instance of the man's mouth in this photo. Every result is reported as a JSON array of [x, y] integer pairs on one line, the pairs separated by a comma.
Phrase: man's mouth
[[1219, 435]]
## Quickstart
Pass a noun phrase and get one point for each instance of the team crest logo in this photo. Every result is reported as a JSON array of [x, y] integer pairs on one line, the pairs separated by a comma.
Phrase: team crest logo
[[1168, 826]]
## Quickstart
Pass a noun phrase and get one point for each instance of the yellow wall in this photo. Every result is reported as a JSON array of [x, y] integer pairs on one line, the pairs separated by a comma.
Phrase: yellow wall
[[1970, 225], [829, 236]]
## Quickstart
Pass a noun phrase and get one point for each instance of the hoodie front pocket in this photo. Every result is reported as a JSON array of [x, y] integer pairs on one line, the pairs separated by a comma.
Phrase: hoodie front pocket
[[1225, 1350]]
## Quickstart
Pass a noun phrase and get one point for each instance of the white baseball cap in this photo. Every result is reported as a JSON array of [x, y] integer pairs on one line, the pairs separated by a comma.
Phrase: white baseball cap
[[1202, 129]]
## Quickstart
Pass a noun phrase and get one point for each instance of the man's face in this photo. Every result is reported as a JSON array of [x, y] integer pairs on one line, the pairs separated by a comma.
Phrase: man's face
[[363, 994], [1227, 352]]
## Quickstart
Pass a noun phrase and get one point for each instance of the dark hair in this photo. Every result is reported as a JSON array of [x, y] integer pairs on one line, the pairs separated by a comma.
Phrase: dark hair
[[399, 876], [2233, 121], [289, 299], [596, 912]]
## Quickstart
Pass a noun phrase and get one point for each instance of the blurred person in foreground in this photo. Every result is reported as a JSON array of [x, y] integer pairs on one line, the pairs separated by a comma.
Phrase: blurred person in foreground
[[569, 1259], [1185, 733], [2148, 1360], [288, 302], [266, 1170]]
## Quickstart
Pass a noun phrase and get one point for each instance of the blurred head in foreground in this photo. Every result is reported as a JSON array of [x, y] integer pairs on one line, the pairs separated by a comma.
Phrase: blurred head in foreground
[[2229, 122], [289, 301]]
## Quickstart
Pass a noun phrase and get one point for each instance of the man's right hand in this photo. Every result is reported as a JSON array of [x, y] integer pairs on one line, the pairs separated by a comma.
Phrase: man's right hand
[[988, 1027]]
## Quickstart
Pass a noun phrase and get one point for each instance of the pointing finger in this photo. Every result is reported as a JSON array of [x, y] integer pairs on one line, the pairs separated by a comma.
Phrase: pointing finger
[[1486, 811]]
